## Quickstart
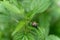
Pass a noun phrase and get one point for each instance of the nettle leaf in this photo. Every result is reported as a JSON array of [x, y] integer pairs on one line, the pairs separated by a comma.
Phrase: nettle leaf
[[30, 33], [31, 5], [44, 21], [35, 6], [12, 8], [54, 10], [2, 9], [52, 37], [15, 13], [16, 3], [19, 26]]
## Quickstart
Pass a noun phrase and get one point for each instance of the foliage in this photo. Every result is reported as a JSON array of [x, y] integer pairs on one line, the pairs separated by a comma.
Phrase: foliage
[[29, 19]]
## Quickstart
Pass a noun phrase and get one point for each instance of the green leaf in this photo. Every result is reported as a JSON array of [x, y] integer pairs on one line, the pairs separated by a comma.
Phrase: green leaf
[[44, 22], [19, 26], [52, 37], [35, 6], [12, 8], [31, 5], [54, 10]]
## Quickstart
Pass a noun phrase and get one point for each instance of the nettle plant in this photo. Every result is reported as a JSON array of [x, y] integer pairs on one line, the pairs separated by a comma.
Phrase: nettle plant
[[29, 19]]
